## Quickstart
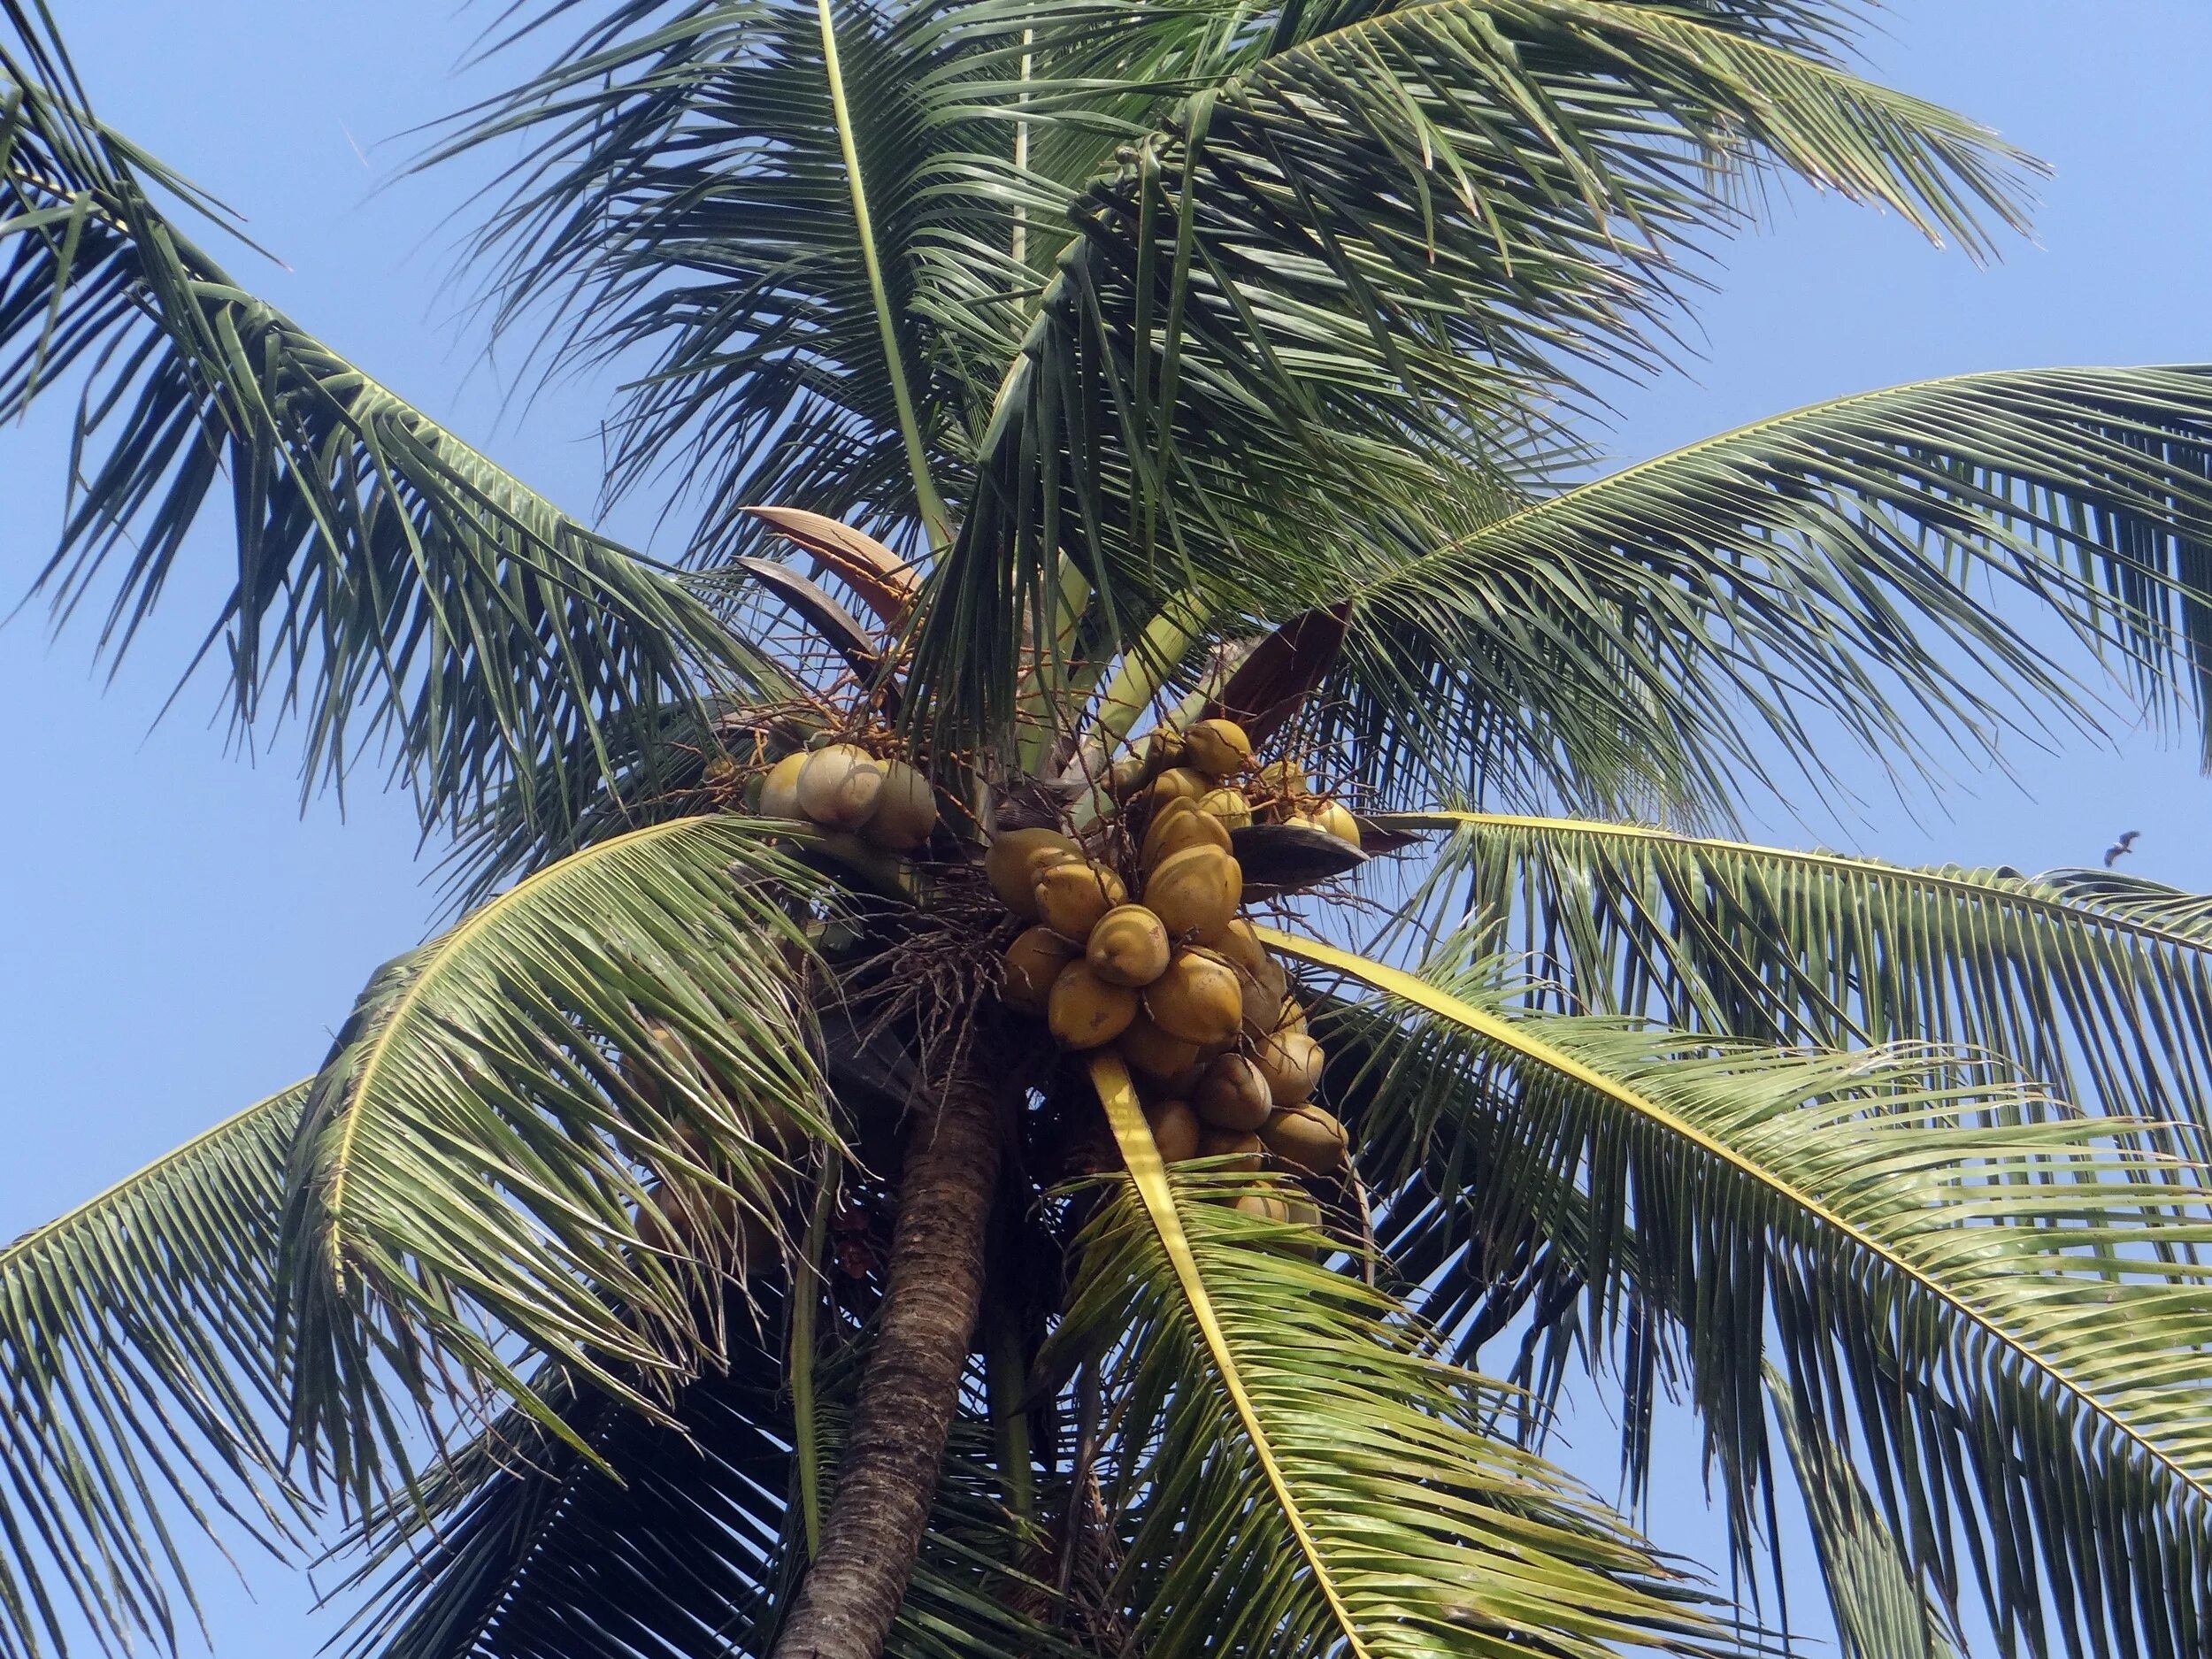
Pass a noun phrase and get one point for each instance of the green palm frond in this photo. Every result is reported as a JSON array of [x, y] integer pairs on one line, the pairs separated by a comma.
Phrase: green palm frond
[[1820, 572], [479, 1143], [2002, 1311], [142, 1388], [678, 1537], [1304, 1476], [395, 589], [1880, 1610], [1365, 258], [2134, 901], [2107, 1005]]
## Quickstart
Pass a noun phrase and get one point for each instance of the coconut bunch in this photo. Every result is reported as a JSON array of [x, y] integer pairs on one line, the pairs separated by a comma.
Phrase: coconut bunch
[[1174, 978], [843, 788]]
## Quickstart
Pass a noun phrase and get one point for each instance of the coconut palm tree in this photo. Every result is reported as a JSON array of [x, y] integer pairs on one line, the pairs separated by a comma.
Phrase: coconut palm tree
[[1060, 1039]]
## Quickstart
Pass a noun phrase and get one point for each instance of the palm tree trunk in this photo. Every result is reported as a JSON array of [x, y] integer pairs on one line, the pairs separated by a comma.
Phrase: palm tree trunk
[[887, 1477]]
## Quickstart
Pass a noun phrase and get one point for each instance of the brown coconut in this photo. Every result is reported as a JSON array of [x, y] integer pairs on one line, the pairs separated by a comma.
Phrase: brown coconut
[[1308, 1138], [1012, 861], [1267, 1206], [1073, 893], [841, 786], [1247, 1150], [1197, 999], [1195, 893], [907, 811], [1152, 1053], [1175, 1130], [1084, 1011], [1033, 962], [1291, 1062], [1128, 946], [1233, 1095]]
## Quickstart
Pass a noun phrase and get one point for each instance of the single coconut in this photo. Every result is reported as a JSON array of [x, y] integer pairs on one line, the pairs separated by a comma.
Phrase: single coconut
[[1239, 941], [1034, 961], [1304, 1212], [841, 786], [907, 812], [1153, 1053], [1307, 1138], [1128, 946], [1012, 861], [1233, 1095], [1291, 1062], [1177, 781], [1175, 1130], [1195, 893], [1179, 825], [1196, 999], [1218, 748], [1073, 893], [1267, 1206], [1085, 1011], [1282, 779], [1292, 1016], [1247, 1150], [779, 789], [1336, 817], [1228, 805], [1260, 1005], [1125, 776]]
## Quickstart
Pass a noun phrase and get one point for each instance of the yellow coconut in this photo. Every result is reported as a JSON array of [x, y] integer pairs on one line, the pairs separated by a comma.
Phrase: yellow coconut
[[1336, 817], [1151, 1052], [1073, 893], [1233, 1095], [1195, 893], [1261, 1006], [1247, 1150], [1292, 1016], [1085, 1011], [1034, 961], [1177, 781], [1307, 1138], [1291, 1062], [1179, 825], [1229, 805], [1267, 1206], [1218, 748], [779, 789], [841, 786], [907, 811], [1175, 1130], [1283, 779], [1012, 861], [1128, 946], [1196, 999]]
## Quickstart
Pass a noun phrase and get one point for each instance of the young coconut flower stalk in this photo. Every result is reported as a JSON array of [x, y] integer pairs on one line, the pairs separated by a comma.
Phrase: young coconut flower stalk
[[898, 1153]]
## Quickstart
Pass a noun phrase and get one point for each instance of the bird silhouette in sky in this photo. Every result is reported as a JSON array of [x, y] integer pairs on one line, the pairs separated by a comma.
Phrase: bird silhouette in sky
[[2120, 848]]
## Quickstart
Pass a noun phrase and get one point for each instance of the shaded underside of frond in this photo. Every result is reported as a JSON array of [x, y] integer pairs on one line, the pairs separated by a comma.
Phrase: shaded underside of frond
[[142, 1390]]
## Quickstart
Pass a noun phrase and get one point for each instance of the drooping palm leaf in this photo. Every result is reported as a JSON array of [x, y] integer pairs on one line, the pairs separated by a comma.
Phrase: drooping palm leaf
[[1815, 575], [1308, 1478], [142, 1388], [1326, 288], [1880, 1610], [479, 1145], [2108, 1007], [395, 589], [2002, 1311]]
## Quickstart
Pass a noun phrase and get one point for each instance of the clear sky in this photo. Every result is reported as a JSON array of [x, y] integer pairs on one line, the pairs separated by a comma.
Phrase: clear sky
[[183, 942]]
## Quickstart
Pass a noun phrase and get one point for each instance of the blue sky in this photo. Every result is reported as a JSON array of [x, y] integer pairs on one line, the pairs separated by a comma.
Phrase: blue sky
[[184, 940]]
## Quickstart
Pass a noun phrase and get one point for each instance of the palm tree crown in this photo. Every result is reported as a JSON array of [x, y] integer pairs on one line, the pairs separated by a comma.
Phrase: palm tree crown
[[1059, 1041]]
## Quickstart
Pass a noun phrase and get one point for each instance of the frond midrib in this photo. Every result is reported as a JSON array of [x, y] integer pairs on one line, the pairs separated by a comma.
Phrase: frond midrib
[[1397, 982]]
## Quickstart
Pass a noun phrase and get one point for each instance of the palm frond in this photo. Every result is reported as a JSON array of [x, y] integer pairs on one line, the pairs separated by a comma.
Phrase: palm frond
[[2107, 1005], [1368, 256], [1821, 572], [2001, 1310], [1880, 1610], [394, 590], [141, 1389], [480, 1144], [1305, 1477]]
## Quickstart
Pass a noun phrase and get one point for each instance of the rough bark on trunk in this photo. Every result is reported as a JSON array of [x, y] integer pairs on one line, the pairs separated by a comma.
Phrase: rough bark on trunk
[[887, 1479]]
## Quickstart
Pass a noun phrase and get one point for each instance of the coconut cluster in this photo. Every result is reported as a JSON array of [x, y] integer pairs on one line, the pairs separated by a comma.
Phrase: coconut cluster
[[843, 787], [1175, 978]]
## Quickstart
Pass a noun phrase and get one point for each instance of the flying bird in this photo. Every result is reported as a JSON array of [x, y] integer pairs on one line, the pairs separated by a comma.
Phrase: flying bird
[[2121, 848]]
